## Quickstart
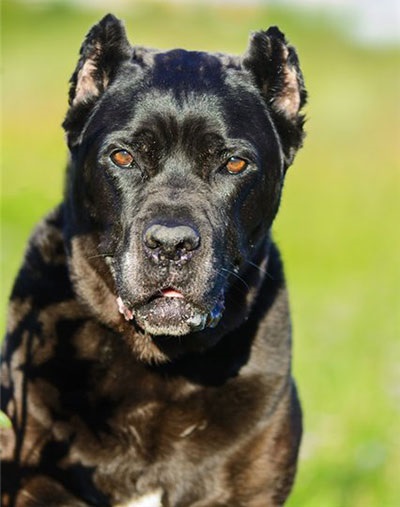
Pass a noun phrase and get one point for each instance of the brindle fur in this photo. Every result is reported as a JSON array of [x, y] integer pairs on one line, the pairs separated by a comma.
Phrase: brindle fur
[[103, 413]]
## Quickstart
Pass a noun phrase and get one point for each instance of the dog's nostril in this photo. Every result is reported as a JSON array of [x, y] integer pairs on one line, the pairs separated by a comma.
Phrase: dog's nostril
[[185, 245], [171, 241], [150, 241]]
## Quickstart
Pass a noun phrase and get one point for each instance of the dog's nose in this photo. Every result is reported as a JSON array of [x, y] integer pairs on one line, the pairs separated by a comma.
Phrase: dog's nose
[[171, 242]]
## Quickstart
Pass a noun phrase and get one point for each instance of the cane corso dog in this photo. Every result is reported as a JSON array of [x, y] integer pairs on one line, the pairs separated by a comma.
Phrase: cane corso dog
[[148, 352]]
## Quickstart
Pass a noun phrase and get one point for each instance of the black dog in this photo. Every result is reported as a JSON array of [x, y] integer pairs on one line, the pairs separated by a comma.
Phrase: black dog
[[148, 352]]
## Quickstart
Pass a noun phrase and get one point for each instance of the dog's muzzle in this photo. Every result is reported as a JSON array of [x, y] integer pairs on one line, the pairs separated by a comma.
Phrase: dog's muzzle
[[170, 247]]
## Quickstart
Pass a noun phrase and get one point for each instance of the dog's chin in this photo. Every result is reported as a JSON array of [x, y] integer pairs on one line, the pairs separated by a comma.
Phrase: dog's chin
[[172, 315], [166, 316]]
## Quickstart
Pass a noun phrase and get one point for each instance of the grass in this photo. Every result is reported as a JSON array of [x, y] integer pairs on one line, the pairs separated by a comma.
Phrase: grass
[[337, 228]]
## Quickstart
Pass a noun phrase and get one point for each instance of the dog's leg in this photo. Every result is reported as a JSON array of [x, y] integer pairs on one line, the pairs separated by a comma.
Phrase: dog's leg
[[263, 471]]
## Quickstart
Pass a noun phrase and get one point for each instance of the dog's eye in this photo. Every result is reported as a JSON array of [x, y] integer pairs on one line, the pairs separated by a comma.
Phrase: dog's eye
[[236, 165], [122, 158]]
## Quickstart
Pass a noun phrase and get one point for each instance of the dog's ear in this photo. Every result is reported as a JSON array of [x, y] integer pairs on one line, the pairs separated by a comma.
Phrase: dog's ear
[[275, 68], [102, 53]]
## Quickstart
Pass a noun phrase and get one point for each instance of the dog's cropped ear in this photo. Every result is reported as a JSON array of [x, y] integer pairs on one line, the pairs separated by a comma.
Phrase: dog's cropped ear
[[276, 71], [102, 53]]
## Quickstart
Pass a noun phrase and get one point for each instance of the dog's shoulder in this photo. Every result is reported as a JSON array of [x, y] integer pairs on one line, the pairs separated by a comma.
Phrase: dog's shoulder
[[43, 277], [41, 297]]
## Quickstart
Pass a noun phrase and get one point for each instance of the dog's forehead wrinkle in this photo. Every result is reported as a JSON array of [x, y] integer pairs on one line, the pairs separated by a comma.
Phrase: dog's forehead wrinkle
[[166, 118], [166, 104], [163, 126], [188, 137]]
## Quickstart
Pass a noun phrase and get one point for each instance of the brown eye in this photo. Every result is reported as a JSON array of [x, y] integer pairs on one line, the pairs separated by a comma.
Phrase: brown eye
[[236, 165], [122, 158]]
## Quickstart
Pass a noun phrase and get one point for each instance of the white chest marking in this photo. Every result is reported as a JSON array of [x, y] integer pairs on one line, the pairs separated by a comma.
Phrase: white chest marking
[[150, 500]]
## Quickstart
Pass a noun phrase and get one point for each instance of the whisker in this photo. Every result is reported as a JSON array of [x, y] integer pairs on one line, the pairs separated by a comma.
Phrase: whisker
[[262, 270], [237, 276], [100, 255], [236, 288]]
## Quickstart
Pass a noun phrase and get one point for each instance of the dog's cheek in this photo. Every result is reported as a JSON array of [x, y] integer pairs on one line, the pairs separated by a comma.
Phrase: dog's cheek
[[92, 280], [260, 210], [95, 203], [252, 216], [129, 274]]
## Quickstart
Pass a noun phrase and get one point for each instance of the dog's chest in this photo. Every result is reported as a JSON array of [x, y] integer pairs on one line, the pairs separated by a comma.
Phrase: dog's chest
[[137, 427], [155, 432]]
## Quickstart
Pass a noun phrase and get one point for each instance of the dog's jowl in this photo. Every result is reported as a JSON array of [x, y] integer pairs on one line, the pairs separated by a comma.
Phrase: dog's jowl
[[148, 350]]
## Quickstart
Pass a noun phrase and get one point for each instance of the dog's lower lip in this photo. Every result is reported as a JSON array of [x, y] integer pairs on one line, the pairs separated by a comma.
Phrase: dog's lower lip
[[164, 293], [196, 320]]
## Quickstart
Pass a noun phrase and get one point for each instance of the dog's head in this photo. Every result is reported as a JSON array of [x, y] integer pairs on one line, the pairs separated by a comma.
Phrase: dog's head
[[177, 166]]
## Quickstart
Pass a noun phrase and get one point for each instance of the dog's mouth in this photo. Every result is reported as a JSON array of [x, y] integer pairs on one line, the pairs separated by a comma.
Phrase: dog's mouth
[[168, 312]]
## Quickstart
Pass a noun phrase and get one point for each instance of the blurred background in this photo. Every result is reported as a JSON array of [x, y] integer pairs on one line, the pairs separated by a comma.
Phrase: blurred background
[[338, 227]]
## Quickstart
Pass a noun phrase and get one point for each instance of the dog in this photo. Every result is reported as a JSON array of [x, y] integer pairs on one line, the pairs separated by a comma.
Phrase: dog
[[148, 352]]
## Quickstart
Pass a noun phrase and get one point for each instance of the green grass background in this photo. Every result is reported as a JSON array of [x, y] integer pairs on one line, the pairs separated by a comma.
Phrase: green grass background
[[338, 227]]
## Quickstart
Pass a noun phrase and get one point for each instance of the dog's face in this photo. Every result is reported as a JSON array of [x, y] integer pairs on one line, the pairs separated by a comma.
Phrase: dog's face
[[177, 166]]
